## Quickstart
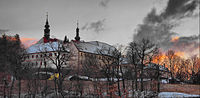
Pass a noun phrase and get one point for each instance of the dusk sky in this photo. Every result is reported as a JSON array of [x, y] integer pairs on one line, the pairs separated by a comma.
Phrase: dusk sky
[[110, 21]]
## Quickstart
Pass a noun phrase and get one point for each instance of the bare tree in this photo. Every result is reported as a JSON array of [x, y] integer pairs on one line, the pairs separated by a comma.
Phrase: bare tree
[[134, 60], [13, 57], [182, 72], [91, 69], [171, 57], [144, 50], [158, 59], [108, 66], [58, 54], [194, 67], [90, 66], [118, 54]]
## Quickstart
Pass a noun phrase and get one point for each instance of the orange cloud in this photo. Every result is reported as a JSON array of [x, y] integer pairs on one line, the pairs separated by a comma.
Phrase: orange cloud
[[174, 39], [27, 42]]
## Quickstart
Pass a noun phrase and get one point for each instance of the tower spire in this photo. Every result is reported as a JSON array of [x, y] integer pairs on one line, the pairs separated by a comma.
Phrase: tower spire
[[47, 30], [77, 24], [77, 38], [47, 18]]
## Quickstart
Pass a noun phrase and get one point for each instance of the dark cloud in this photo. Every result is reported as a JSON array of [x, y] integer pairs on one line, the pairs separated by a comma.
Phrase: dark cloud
[[180, 8], [158, 27], [175, 10], [187, 44], [104, 3], [152, 17], [155, 29], [96, 26]]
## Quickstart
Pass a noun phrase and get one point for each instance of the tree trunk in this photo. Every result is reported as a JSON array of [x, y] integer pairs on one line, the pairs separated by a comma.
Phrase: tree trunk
[[11, 88], [19, 88], [123, 81], [46, 88], [158, 77], [141, 76], [135, 78], [4, 89], [55, 86], [29, 87], [118, 82], [132, 88], [35, 87]]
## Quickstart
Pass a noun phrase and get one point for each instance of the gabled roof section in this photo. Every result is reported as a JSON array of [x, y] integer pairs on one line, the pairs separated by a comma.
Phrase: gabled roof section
[[43, 47], [95, 47]]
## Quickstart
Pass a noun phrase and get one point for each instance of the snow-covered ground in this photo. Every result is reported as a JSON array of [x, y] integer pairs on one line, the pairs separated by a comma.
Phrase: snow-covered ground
[[175, 95]]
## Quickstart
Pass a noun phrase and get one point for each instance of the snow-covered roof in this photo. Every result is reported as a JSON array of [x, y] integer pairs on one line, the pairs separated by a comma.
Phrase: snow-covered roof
[[176, 95], [95, 47], [43, 47], [153, 66], [91, 79]]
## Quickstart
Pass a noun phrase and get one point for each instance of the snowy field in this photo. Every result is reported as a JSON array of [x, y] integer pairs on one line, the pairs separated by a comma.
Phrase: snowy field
[[175, 95]]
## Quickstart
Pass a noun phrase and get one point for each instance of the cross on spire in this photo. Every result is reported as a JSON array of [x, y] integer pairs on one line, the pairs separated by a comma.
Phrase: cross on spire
[[47, 15], [77, 24]]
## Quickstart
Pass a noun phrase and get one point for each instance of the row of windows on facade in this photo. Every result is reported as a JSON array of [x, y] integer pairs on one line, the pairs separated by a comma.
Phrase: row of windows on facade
[[44, 63], [95, 56], [90, 55], [42, 55]]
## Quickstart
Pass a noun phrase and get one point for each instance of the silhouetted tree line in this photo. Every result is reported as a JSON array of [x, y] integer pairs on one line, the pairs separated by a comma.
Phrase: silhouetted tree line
[[11, 62]]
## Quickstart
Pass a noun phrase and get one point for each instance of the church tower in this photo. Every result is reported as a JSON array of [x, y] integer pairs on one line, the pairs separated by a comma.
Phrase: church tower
[[77, 38], [47, 30]]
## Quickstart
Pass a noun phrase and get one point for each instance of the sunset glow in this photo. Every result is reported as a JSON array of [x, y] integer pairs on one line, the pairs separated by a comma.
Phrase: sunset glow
[[27, 42], [174, 39]]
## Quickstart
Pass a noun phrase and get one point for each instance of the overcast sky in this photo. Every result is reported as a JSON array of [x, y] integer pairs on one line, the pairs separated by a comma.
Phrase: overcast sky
[[111, 21]]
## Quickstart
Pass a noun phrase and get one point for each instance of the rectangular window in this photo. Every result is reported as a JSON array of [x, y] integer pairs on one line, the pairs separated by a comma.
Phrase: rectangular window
[[50, 54]]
